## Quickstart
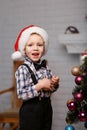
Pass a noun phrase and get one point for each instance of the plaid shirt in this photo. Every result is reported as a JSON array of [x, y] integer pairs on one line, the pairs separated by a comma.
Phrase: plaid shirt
[[25, 86]]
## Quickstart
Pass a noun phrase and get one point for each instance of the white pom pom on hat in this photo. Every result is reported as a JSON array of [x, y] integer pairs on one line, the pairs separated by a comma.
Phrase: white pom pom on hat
[[23, 38]]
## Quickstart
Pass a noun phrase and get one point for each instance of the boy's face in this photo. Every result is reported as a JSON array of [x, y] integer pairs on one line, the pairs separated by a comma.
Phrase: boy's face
[[35, 47]]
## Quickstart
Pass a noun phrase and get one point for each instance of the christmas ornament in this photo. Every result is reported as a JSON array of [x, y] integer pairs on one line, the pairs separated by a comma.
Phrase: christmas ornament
[[82, 116], [71, 105], [70, 118], [69, 127], [76, 71], [78, 96], [83, 56], [69, 100], [78, 80], [69, 121]]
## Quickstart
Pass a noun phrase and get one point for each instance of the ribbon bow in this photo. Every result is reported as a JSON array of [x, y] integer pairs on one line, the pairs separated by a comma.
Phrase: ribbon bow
[[38, 66]]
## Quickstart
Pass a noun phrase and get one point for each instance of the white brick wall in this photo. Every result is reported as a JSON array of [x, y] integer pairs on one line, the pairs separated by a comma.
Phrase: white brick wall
[[54, 16]]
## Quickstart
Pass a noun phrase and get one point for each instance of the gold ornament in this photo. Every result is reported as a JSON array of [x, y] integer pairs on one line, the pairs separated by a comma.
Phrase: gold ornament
[[69, 100], [68, 121], [76, 71]]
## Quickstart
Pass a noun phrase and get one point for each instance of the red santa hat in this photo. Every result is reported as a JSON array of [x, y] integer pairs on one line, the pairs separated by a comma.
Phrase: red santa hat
[[23, 38]]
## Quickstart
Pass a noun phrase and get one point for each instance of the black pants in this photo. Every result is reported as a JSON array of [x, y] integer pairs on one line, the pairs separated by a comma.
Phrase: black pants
[[36, 114]]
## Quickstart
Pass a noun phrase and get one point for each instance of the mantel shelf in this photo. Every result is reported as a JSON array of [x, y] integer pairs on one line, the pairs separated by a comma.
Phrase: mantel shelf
[[75, 43]]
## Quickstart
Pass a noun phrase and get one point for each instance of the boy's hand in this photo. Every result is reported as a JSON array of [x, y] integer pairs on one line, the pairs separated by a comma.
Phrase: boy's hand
[[45, 84], [54, 82]]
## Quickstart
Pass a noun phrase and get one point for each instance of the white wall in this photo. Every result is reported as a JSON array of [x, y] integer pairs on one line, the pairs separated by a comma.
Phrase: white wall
[[55, 16]]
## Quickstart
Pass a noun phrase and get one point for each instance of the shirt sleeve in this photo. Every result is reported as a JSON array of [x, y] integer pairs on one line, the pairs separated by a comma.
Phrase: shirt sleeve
[[25, 86]]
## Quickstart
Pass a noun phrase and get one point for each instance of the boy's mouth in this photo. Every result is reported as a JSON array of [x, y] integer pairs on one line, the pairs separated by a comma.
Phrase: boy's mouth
[[35, 54]]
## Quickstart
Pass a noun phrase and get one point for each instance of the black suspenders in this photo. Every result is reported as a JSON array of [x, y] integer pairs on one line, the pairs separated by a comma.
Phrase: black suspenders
[[32, 74]]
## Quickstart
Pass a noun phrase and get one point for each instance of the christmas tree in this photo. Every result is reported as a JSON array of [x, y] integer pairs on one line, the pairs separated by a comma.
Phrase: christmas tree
[[77, 106]]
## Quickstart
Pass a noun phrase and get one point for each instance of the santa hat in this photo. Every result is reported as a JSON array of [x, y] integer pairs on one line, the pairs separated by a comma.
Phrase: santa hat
[[23, 38]]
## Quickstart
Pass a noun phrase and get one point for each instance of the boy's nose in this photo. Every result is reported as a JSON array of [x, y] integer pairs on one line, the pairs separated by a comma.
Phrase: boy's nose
[[35, 47]]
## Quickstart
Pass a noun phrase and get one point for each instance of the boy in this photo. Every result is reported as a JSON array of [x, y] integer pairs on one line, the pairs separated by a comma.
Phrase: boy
[[36, 110]]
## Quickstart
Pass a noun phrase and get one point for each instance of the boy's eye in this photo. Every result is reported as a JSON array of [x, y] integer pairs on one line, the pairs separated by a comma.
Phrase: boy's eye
[[29, 45], [40, 44]]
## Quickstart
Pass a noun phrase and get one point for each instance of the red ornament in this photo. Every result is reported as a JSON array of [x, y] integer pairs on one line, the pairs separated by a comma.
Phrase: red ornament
[[71, 105], [82, 116], [78, 80], [78, 96]]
